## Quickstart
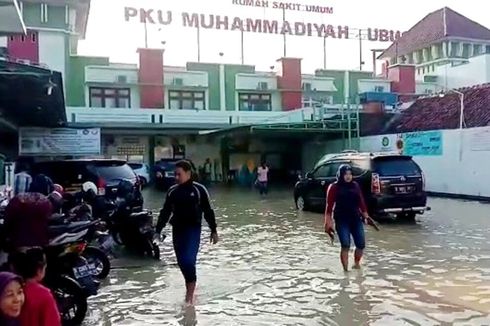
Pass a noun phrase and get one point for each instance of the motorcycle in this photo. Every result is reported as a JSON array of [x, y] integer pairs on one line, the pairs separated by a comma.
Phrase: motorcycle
[[88, 232], [134, 230], [69, 276]]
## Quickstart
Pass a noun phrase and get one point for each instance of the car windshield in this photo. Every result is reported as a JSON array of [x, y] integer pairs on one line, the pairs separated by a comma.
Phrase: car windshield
[[114, 170], [396, 167], [135, 166]]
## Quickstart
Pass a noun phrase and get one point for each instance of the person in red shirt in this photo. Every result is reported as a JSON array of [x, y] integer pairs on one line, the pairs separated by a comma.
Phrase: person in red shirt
[[40, 308], [346, 206]]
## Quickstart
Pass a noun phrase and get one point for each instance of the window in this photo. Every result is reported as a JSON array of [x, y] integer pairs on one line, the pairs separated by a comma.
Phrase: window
[[322, 171], [379, 89], [186, 100], [110, 97], [328, 170], [396, 167], [487, 49], [255, 102]]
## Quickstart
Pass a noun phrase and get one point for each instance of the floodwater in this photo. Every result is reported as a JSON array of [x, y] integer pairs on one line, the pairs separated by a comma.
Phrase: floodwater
[[274, 266]]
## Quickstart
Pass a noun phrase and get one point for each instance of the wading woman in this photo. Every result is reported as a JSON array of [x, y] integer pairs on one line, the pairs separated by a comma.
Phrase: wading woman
[[346, 211]]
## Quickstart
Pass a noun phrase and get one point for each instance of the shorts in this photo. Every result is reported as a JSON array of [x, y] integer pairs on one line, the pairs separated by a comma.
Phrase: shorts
[[346, 230]]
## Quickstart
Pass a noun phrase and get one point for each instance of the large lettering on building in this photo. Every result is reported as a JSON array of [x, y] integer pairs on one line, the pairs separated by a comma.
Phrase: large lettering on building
[[251, 25]]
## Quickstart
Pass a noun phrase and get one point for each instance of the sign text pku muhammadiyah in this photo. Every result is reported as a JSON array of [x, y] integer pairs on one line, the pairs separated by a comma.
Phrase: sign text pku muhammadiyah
[[266, 26]]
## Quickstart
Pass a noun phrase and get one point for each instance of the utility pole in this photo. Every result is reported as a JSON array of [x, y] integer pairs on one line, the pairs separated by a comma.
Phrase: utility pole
[[361, 63], [284, 35], [146, 35], [325, 52], [198, 43], [242, 47]]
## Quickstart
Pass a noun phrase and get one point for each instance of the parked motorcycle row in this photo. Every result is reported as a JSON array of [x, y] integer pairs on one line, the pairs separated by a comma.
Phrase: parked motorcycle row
[[83, 232]]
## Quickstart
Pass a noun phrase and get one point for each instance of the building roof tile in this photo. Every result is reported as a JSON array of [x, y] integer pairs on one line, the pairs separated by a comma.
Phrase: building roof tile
[[433, 113], [442, 24]]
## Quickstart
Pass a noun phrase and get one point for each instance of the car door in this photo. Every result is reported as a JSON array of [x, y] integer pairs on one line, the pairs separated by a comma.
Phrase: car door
[[323, 180]]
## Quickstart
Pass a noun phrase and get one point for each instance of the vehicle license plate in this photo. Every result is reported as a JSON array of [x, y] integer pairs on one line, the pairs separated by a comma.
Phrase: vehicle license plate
[[404, 189], [84, 271]]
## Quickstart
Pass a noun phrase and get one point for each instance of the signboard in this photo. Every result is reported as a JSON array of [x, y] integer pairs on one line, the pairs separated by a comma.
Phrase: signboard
[[252, 25], [290, 6], [425, 143], [59, 141]]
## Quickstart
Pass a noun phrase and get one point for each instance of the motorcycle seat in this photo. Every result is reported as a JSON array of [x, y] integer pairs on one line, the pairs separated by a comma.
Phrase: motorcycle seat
[[68, 228]]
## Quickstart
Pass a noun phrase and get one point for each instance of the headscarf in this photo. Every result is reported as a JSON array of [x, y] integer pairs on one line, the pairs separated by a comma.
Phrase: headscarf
[[5, 279], [343, 169], [42, 184]]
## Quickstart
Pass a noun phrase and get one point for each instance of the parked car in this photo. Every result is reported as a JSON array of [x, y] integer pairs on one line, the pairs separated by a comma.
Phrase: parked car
[[391, 183], [106, 174], [165, 173], [142, 171]]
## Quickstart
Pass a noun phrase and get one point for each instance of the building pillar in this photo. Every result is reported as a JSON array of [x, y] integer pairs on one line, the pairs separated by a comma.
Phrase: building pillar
[[150, 75], [289, 83], [444, 49], [222, 87]]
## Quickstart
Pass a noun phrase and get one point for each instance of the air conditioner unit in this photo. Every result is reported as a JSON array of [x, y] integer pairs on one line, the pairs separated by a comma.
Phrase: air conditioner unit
[[429, 91], [262, 86], [178, 82], [122, 79], [306, 87]]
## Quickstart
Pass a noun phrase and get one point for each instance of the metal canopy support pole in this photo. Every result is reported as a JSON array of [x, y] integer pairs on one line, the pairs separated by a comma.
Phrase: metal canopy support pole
[[349, 127]]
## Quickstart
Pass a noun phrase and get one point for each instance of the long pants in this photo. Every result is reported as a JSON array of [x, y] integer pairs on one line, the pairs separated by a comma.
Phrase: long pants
[[351, 227], [186, 245]]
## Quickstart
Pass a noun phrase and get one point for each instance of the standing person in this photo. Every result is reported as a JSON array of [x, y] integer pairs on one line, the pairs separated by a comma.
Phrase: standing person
[[186, 203], [346, 202], [263, 178], [11, 299], [26, 220], [207, 172], [42, 184], [40, 308], [22, 180]]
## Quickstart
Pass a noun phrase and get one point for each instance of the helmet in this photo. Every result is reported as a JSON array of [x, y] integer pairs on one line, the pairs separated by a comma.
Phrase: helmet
[[56, 198], [59, 188], [89, 186]]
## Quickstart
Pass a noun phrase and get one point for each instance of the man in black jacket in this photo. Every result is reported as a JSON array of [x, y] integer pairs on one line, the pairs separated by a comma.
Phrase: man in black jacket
[[186, 203]]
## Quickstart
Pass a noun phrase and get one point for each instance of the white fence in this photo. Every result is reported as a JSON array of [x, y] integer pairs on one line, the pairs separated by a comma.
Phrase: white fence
[[157, 116]]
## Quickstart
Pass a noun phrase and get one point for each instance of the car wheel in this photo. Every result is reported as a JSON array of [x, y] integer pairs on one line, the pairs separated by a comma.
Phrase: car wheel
[[301, 204], [143, 182]]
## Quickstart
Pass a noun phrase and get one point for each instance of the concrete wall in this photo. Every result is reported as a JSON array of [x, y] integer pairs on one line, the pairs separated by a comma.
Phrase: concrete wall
[[476, 71], [449, 173], [53, 51]]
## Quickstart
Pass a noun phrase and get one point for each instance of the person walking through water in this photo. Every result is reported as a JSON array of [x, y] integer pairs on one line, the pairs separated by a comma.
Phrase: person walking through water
[[185, 205], [207, 169], [263, 178], [345, 203]]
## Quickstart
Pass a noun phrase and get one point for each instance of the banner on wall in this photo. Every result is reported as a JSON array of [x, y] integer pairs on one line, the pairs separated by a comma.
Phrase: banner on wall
[[424, 143], [59, 141]]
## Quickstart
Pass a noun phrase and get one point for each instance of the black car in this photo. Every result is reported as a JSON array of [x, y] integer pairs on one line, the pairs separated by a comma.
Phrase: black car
[[165, 173], [391, 183], [106, 174]]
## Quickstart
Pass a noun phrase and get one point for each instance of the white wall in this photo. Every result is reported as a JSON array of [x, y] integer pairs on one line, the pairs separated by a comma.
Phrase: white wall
[[475, 72], [189, 78], [52, 52], [3, 41], [320, 84], [110, 74], [251, 81], [447, 173], [369, 85]]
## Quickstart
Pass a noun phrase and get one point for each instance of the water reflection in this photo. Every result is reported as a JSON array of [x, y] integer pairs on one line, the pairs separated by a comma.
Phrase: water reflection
[[274, 266]]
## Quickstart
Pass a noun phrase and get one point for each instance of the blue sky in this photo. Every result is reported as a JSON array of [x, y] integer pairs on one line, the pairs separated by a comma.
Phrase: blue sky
[[110, 35]]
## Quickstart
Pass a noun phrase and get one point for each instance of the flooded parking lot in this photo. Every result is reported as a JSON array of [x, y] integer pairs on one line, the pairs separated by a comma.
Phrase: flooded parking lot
[[274, 266]]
